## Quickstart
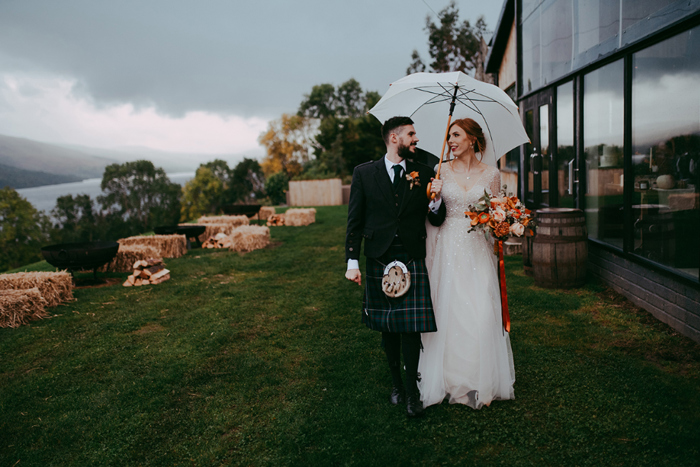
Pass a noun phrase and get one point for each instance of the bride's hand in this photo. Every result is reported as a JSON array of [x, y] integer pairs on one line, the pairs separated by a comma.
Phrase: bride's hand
[[436, 187]]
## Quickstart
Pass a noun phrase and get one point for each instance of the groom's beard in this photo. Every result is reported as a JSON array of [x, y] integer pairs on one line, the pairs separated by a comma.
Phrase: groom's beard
[[405, 152]]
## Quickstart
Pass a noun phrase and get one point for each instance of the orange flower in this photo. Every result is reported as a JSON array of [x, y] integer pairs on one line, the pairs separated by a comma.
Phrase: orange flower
[[483, 217], [525, 221], [516, 213], [414, 174], [527, 211], [473, 216], [502, 230]]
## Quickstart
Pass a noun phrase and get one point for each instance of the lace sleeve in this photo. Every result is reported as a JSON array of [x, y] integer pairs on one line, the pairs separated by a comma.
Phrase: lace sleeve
[[495, 184]]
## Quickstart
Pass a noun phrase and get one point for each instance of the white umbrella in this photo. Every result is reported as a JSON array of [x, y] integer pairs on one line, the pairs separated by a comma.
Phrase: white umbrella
[[427, 98]]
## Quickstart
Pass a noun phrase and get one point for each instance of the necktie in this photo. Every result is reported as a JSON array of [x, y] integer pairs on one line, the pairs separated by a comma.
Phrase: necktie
[[397, 175]]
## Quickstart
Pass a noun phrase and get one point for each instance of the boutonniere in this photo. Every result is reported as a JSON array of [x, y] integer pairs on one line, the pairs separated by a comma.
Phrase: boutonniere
[[413, 179]]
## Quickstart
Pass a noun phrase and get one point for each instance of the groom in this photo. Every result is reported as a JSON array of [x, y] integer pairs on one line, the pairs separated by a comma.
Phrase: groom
[[388, 207]]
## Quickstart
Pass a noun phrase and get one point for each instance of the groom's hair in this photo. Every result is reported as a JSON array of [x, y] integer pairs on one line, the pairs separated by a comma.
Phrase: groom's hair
[[392, 124]]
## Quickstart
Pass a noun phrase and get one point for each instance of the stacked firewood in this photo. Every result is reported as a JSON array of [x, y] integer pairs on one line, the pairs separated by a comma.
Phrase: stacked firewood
[[220, 240], [275, 220], [148, 272]]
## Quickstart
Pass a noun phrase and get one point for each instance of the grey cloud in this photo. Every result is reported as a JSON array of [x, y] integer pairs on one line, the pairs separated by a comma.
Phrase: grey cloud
[[249, 58]]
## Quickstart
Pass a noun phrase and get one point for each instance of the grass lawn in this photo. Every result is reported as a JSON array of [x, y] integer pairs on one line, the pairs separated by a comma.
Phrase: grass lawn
[[261, 359]]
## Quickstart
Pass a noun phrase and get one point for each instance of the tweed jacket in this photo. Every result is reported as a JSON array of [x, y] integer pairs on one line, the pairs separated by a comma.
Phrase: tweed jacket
[[376, 214]]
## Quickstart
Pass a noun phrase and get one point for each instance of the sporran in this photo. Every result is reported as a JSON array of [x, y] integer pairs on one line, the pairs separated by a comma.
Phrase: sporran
[[396, 280]]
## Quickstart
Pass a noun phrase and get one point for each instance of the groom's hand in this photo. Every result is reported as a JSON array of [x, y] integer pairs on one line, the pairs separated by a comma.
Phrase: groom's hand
[[354, 275]]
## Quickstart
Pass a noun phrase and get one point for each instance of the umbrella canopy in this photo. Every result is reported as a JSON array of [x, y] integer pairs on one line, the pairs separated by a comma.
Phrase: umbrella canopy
[[426, 98]]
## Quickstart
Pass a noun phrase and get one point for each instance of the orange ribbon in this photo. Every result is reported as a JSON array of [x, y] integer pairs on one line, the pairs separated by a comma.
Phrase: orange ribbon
[[505, 316]]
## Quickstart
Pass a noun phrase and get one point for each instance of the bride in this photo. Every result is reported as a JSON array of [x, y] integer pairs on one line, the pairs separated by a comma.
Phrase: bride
[[469, 358]]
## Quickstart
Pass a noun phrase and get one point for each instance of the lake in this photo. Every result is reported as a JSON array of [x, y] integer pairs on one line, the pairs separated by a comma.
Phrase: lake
[[43, 198]]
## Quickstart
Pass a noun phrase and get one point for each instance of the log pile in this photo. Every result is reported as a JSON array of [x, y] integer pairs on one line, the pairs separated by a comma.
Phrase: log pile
[[168, 246], [148, 272], [55, 287], [220, 240], [127, 256], [249, 237], [275, 220], [214, 229], [299, 217], [18, 307], [266, 211]]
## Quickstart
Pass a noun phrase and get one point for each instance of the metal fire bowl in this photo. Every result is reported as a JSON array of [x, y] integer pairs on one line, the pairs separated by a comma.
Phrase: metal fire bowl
[[188, 231], [80, 256]]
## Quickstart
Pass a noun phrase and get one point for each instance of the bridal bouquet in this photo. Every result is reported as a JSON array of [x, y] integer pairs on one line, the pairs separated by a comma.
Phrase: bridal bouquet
[[500, 215]]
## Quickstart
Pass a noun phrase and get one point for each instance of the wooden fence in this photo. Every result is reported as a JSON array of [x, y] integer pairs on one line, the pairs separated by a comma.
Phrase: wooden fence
[[316, 192]]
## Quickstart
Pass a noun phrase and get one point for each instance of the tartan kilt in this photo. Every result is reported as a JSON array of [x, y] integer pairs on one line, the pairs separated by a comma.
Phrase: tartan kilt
[[412, 312]]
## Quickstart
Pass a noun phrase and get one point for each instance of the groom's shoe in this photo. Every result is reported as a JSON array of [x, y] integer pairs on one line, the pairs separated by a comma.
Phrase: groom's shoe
[[414, 406], [396, 396]]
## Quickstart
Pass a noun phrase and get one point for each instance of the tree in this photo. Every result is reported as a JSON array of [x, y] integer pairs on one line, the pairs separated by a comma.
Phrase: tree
[[247, 181], [202, 195], [346, 135], [22, 230], [289, 143], [138, 197], [276, 187], [453, 46], [76, 220]]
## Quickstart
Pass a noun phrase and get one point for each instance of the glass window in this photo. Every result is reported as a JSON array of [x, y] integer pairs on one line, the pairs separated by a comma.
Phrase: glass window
[[634, 11], [560, 36], [529, 152], [666, 152], [566, 158], [544, 152], [531, 53], [597, 24], [557, 39], [603, 142]]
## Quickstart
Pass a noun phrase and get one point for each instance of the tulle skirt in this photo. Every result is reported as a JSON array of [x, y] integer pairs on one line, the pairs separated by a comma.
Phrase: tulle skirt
[[469, 358]]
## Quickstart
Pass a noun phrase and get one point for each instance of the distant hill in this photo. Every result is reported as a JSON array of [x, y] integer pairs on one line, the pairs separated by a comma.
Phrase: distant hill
[[51, 159], [20, 178]]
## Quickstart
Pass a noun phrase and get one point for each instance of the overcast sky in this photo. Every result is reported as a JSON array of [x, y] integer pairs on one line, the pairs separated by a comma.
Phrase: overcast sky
[[188, 76]]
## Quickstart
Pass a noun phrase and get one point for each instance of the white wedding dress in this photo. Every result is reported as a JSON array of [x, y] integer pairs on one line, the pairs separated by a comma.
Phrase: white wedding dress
[[469, 358]]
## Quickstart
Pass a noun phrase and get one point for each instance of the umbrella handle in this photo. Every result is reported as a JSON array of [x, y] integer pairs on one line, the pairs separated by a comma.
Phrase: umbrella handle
[[442, 155]]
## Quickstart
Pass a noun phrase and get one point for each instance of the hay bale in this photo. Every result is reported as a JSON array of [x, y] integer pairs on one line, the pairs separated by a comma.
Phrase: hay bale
[[18, 307], [234, 221], [55, 287], [213, 229], [299, 217], [266, 211], [128, 255], [167, 246], [249, 237]]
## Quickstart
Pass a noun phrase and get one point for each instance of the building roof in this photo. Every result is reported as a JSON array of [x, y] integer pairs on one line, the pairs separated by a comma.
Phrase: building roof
[[500, 37]]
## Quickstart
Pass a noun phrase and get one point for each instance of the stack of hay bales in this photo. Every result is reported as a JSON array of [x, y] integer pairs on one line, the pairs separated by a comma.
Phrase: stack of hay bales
[[128, 255], [249, 237], [266, 211], [167, 246], [24, 295], [299, 217], [220, 224]]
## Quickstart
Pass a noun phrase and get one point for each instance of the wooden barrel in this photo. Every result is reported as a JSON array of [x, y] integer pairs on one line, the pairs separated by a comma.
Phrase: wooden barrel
[[560, 248]]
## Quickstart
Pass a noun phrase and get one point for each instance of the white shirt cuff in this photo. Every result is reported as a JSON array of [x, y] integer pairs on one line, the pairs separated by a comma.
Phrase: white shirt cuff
[[435, 205], [353, 264]]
